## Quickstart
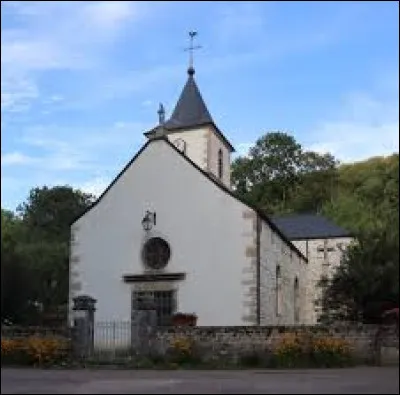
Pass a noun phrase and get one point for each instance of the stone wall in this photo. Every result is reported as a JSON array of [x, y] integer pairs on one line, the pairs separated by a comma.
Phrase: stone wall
[[279, 305], [324, 256], [235, 341]]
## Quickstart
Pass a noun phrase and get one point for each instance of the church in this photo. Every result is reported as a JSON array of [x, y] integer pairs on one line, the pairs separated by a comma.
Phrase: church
[[170, 229]]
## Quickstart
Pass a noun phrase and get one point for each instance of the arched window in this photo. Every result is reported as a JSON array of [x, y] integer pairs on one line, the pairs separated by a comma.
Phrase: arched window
[[296, 307], [278, 290], [220, 164]]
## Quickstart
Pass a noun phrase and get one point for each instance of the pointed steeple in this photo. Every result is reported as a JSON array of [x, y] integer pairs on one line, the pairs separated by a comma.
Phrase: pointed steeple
[[190, 112], [190, 109]]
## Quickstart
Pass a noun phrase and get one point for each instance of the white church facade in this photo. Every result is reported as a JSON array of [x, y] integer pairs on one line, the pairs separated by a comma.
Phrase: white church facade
[[170, 228]]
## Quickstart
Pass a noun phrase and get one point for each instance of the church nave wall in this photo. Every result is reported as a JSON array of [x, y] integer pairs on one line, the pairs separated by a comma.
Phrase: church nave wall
[[280, 267]]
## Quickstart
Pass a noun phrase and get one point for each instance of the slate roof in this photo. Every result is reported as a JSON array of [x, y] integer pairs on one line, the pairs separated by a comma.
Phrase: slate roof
[[309, 226], [190, 112]]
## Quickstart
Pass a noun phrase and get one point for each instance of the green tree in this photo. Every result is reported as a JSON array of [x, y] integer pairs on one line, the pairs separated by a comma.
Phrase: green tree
[[367, 281], [16, 285], [47, 216], [367, 195], [279, 176], [49, 212], [39, 251]]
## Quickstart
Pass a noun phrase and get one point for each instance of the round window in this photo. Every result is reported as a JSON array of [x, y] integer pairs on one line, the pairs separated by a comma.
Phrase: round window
[[156, 253]]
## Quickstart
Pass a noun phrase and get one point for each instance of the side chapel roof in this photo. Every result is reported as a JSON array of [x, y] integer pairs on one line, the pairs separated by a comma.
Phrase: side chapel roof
[[309, 226]]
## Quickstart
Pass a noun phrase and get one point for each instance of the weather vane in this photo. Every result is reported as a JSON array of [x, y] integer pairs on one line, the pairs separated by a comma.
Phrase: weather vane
[[192, 48]]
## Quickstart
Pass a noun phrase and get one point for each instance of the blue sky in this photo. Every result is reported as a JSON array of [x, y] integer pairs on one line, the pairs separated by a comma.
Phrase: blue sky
[[81, 81]]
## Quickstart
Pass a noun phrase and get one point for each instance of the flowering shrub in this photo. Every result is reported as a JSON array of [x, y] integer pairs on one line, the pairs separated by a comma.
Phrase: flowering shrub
[[12, 351], [8, 346], [34, 350], [299, 350], [46, 350], [182, 345], [330, 351], [331, 344], [182, 350], [289, 350]]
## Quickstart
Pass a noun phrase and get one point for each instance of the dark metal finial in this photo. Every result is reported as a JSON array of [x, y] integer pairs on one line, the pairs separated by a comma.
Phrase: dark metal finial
[[161, 114], [191, 48]]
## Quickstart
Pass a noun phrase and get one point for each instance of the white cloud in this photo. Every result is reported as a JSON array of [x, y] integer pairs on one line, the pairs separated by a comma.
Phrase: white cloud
[[31, 54], [16, 158], [56, 98], [95, 186], [10, 187], [84, 149], [351, 142], [55, 35], [17, 93], [367, 125], [34, 8], [109, 14], [57, 161], [53, 100], [47, 39], [86, 158]]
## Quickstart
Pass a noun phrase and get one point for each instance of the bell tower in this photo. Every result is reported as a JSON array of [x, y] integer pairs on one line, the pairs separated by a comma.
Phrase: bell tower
[[193, 131]]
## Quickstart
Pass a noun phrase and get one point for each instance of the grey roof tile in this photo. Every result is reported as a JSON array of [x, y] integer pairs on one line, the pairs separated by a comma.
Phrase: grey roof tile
[[190, 109], [309, 226], [190, 112]]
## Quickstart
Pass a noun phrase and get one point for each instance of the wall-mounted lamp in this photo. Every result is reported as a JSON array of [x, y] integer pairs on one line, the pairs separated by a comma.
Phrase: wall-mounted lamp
[[148, 220]]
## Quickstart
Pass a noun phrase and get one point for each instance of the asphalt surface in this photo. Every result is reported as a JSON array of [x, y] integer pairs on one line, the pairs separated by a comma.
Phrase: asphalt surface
[[364, 380]]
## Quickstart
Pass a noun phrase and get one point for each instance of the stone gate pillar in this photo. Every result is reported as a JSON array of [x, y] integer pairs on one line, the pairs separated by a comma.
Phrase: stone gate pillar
[[143, 328], [83, 329]]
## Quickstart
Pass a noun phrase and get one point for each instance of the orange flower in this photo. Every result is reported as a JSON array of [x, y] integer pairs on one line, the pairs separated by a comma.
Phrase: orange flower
[[38, 349]]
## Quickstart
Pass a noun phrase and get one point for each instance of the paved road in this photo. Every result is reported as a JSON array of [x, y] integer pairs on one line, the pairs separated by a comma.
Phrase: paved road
[[350, 381]]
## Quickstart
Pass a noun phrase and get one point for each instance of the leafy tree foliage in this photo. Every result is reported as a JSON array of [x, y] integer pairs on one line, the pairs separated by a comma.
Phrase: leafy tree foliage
[[35, 253], [367, 282], [367, 195], [49, 212], [15, 275], [279, 176]]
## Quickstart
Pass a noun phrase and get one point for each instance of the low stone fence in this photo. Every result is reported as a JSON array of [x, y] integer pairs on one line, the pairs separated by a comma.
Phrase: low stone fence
[[367, 342], [114, 341], [238, 340]]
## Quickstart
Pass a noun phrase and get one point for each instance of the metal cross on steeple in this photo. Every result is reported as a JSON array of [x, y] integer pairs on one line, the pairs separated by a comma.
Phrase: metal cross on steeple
[[161, 114], [191, 48]]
